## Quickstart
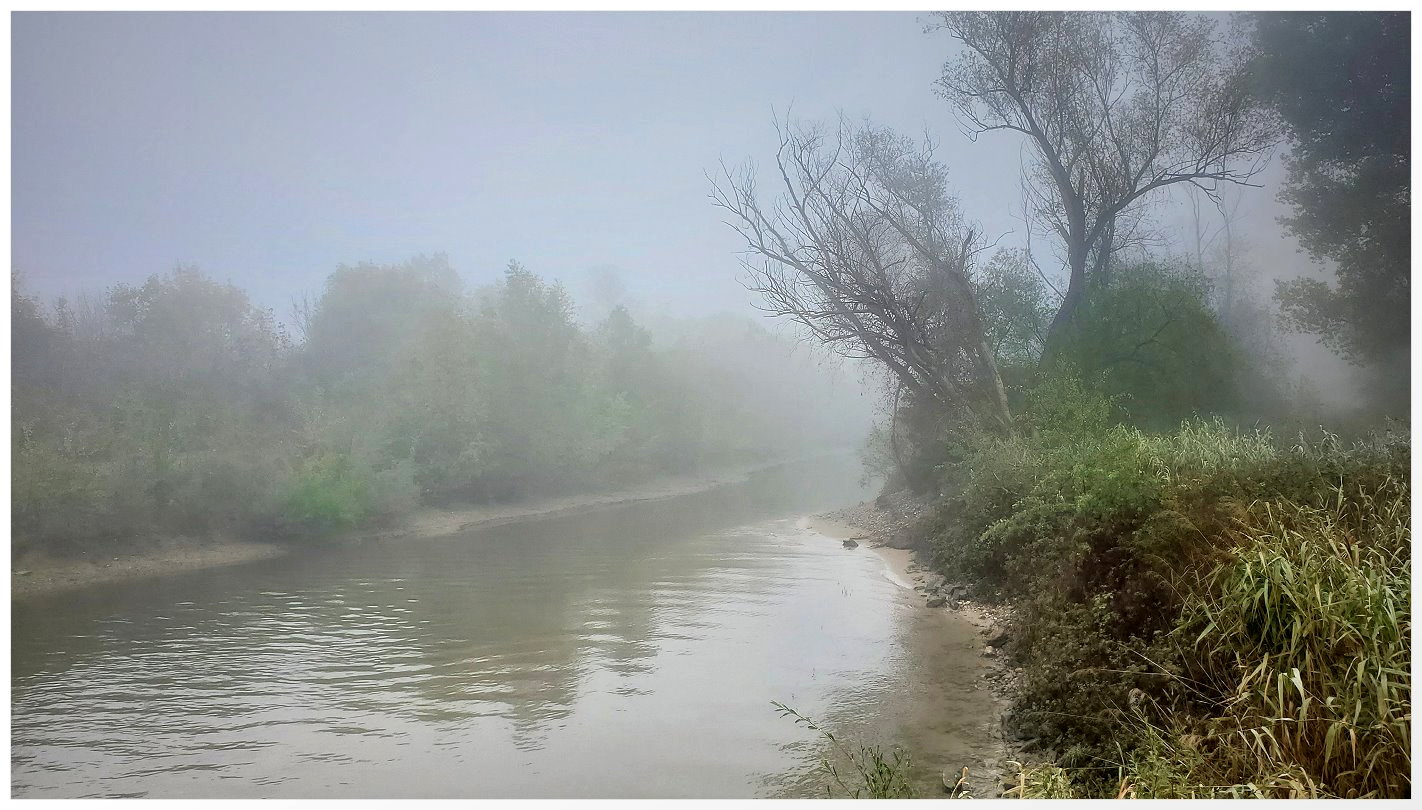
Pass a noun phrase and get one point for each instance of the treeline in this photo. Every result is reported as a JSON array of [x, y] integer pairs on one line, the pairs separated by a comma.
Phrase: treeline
[[179, 408]]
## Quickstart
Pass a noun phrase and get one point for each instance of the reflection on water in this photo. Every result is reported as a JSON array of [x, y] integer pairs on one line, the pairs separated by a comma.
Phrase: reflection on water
[[627, 652]]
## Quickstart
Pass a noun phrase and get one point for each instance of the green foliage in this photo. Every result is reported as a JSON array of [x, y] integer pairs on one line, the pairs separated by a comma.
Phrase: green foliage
[[1149, 340], [1060, 409], [54, 495], [1250, 595], [1015, 308], [155, 412], [1306, 630], [1342, 83], [329, 492], [872, 774], [368, 316], [176, 408]]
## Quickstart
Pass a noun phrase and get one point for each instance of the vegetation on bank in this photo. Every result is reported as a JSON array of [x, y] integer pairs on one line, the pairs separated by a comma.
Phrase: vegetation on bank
[[1214, 591], [177, 408], [1202, 612]]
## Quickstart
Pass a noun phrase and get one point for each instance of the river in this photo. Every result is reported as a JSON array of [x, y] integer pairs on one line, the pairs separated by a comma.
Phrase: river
[[632, 651]]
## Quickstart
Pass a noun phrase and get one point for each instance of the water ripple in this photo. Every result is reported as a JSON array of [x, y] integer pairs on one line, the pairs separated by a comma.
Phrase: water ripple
[[460, 667]]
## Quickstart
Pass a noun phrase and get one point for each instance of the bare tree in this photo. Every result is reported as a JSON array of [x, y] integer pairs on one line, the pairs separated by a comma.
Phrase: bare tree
[[1219, 241], [303, 313], [1116, 105], [866, 248]]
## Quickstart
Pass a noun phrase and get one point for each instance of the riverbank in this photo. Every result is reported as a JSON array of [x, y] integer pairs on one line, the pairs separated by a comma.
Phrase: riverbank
[[963, 622], [431, 522], [40, 575]]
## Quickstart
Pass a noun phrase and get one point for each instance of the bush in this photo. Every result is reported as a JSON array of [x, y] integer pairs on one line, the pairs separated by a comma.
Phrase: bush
[[55, 498], [329, 492]]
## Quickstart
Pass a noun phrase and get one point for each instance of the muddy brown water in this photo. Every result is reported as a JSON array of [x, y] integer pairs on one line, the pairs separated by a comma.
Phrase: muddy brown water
[[627, 652]]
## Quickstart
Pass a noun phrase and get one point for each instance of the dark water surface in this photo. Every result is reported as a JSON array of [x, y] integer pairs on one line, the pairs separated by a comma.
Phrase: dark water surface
[[627, 652]]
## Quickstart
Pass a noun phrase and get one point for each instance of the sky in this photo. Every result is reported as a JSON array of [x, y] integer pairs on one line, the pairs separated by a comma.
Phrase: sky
[[267, 149]]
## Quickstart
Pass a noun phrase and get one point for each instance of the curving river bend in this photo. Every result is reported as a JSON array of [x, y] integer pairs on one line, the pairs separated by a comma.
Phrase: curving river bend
[[627, 652]]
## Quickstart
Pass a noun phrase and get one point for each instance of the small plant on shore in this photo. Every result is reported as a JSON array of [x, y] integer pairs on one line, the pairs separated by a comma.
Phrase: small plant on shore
[[960, 789], [871, 773], [1044, 781]]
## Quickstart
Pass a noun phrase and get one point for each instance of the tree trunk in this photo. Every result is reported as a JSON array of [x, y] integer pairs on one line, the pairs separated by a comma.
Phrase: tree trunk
[[1002, 412], [1066, 313]]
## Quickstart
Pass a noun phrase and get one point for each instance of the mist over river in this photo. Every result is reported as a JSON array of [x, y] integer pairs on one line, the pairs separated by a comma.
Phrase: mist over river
[[628, 652]]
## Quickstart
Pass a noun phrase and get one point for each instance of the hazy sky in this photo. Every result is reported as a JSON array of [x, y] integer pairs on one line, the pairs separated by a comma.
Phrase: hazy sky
[[269, 148]]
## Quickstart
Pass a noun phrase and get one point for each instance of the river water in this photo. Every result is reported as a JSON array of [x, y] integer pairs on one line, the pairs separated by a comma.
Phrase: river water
[[627, 652]]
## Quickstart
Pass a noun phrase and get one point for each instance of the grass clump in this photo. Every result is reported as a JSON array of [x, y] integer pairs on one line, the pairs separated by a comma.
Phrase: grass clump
[[1305, 635], [1203, 612]]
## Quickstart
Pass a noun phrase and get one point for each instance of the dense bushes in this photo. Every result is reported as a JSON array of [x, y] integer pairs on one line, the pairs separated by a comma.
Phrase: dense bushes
[[177, 408], [1204, 611]]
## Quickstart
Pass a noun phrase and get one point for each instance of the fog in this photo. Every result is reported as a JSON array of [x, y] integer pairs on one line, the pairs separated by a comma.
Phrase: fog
[[525, 404], [268, 149]]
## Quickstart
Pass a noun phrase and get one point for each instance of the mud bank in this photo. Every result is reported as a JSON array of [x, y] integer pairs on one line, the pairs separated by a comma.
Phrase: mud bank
[[429, 522]]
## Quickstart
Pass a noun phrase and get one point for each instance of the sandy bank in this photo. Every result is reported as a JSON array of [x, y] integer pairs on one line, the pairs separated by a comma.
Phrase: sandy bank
[[430, 522], [44, 575], [897, 561]]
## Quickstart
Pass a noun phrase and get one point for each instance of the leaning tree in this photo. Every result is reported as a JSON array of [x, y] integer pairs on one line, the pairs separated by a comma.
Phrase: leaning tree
[[866, 248]]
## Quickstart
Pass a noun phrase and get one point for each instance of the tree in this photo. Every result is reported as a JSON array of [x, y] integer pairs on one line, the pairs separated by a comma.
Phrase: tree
[[1341, 82], [867, 249], [369, 315], [1115, 106], [32, 339], [1151, 342], [1015, 306]]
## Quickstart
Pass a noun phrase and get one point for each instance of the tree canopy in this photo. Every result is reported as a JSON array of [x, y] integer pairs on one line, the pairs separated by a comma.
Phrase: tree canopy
[[1341, 82]]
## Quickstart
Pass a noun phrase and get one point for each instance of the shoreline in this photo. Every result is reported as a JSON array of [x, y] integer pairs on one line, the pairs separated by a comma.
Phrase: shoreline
[[44, 575], [876, 527], [431, 522]]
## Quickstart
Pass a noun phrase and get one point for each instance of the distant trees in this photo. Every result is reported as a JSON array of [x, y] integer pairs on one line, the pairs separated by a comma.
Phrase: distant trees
[[867, 249], [1341, 81], [164, 413], [1115, 107], [176, 407]]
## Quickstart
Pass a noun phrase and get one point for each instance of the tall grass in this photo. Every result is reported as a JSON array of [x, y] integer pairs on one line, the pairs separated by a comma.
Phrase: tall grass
[[869, 772], [1306, 635], [1205, 612]]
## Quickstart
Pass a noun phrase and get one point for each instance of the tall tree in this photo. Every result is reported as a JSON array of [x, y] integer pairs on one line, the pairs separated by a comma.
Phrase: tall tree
[[1115, 106], [868, 250], [1341, 82]]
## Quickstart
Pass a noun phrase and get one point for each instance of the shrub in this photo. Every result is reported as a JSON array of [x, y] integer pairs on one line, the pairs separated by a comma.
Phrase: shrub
[[329, 492], [870, 773]]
